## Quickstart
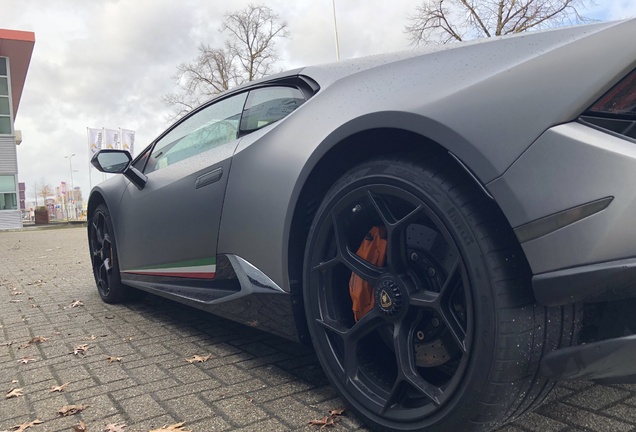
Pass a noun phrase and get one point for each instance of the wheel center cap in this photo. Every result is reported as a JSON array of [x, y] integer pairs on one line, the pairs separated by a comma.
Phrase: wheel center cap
[[388, 297]]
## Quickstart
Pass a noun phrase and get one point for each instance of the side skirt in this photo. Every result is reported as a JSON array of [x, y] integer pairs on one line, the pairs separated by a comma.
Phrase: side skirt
[[242, 293]]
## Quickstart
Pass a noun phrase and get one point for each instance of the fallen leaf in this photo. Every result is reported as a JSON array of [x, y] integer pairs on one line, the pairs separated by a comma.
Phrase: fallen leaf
[[25, 426], [171, 428], [76, 303], [14, 393], [337, 412], [80, 349], [59, 388], [34, 340], [324, 422], [81, 427], [113, 359], [68, 410], [25, 360], [116, 427], [198, 359]]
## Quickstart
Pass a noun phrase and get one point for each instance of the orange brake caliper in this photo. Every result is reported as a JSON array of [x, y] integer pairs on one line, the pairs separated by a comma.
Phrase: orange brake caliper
[[372, 250]]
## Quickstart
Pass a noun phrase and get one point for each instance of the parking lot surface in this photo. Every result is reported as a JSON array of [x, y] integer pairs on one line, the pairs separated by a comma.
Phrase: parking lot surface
[[145, 364]]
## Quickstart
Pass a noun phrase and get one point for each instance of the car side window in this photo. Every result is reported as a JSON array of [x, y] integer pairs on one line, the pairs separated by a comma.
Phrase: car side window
[[140, 161], [267, 105], [207, 128]]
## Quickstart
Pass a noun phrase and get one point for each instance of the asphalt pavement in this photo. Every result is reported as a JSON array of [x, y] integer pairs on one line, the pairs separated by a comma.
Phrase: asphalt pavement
[[155, 363]]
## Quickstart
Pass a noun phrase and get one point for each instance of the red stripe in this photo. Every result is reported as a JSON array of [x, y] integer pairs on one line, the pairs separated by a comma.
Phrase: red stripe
[[182, 275]]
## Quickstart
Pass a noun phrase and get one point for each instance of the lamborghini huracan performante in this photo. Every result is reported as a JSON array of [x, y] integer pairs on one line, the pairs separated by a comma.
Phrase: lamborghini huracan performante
[[453, 230]]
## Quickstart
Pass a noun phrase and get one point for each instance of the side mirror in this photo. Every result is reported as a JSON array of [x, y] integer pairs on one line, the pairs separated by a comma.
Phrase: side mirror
[[113, 161]]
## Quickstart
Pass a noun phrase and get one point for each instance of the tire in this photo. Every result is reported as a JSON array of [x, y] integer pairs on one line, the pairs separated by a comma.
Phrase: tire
[[104, 258], [455, 338]]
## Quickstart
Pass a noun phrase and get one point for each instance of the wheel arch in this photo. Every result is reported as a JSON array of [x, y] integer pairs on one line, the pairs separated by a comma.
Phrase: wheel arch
[[349, 151], [95, 200]]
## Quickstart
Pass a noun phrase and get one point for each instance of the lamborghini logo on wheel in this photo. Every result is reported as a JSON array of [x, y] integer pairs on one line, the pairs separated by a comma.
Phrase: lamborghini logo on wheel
[[385, 299]]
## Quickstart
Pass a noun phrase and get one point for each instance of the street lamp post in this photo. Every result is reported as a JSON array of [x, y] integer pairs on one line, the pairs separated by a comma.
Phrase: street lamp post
[[335, 27], [70, 166]]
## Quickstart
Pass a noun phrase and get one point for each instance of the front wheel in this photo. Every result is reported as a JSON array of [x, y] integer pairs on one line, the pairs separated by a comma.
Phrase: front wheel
[[104, 258], [452, 338]]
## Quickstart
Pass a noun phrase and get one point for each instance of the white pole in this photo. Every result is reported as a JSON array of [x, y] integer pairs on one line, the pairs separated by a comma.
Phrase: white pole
[[335, 26], [90, 177], [103, 141], [70, 166]]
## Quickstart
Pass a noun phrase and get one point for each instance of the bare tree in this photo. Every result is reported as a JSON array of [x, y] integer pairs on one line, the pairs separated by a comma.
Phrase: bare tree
[[212, 71], [44, 190], [249, 54], [252, 39], [457, 20]]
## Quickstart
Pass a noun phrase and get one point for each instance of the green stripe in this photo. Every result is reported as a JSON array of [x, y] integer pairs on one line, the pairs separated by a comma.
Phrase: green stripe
[[191, 263]]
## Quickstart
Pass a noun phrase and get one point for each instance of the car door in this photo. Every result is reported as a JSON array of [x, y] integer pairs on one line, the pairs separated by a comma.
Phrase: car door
[[170, 227]]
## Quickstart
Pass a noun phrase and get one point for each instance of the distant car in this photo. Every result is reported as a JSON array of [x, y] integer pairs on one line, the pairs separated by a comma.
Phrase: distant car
[[453, 230]]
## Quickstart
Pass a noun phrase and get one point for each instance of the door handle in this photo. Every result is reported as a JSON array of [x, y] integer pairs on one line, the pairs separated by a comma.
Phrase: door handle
[[208, 178]]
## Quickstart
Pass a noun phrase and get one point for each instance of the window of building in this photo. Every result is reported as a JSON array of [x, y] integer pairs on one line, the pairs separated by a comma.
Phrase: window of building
[[5, 102], [8, 193]]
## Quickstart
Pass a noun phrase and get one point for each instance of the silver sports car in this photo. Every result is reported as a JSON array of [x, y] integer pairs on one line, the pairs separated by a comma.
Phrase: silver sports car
[[452, 230]]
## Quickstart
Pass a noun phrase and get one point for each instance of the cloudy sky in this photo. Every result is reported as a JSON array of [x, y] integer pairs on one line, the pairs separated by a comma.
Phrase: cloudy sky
[[106, 63]]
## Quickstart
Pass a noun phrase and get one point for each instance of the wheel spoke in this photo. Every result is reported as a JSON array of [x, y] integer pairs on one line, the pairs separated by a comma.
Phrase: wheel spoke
[[425, 299], [396, 248], [442, 304], [324, 265], [99, 229], [362, 268], [451, 284], [107, 247], [351, 337], [366, 325], [408, 375], [454, 326]]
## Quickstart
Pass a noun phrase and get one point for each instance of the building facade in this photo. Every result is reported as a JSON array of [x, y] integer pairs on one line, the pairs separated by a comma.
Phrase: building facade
[[16, 48]]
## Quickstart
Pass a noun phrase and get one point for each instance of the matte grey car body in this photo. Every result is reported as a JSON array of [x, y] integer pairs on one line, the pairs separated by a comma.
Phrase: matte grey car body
[[510, 114]]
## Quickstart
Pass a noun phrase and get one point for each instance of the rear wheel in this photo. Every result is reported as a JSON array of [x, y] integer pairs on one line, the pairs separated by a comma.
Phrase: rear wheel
[[454, 339], [104, 258]]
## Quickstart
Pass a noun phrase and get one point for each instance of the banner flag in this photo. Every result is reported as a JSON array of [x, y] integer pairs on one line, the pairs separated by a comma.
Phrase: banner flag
[[94, 140], [128, 140], [111, 139]]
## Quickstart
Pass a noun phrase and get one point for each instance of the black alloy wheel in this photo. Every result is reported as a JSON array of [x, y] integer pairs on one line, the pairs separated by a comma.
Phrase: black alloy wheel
[[104, 257], [422, 357]]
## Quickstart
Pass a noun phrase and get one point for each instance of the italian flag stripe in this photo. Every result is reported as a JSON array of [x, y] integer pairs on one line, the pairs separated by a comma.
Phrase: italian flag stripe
[[198, 269]]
